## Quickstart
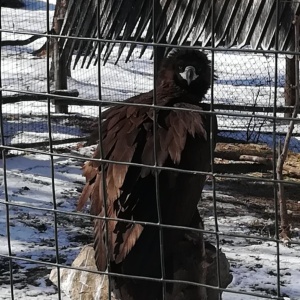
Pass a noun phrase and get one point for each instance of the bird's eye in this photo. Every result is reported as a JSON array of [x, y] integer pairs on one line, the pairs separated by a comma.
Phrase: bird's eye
[[181, 68]]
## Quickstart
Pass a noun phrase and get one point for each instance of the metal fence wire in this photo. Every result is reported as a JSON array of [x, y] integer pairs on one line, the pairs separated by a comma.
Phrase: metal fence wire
[[46, 119]]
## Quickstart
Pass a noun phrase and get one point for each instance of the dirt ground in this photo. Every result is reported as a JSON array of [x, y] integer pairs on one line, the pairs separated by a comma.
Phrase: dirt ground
[[231, 158]]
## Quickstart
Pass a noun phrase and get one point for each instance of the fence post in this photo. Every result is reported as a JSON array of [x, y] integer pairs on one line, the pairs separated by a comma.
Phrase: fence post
[[291, 69], [59, 61], [290, 83]]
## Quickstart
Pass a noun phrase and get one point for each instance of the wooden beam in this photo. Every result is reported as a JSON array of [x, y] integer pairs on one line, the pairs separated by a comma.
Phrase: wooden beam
[[37, 97]]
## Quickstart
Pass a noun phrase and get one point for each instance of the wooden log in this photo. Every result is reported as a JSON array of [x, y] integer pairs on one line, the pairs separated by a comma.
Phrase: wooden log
[[46, 143], [235, 151], [251, 108], [41, 96], [257, 159], [240, 168], [291, 171], [20, 42]]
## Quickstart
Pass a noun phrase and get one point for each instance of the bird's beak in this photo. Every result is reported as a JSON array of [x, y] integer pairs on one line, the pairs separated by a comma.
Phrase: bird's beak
[[189, 74]]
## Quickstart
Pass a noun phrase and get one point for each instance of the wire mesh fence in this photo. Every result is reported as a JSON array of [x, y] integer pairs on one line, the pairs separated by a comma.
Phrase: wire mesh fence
[[42, 152], [247, 85]]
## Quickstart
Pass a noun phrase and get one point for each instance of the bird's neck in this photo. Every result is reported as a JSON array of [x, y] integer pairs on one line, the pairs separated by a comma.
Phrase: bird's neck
[[167, 88]]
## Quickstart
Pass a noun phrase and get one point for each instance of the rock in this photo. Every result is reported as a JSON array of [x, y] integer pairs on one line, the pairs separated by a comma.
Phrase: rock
[[212, 272], [82, 285], [199, 265]]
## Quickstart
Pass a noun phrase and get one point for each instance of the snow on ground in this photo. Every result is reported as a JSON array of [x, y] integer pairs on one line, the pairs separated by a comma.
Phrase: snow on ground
[[253, 261], [244, 79], [32, 231]]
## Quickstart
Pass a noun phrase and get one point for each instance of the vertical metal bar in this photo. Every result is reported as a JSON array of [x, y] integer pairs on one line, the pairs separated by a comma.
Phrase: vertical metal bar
[[297, 94], [7, 218], [3, 153], [99, 56], [212, 142], [155, 73], [275, 147], [7, 206], [100, 145], [51, 151]]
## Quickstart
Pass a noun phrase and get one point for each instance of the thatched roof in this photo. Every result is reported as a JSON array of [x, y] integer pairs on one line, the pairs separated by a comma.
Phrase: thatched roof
[[178, 22]]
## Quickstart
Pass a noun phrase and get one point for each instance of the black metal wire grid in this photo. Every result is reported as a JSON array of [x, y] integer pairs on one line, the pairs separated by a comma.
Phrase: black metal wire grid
[[51, 153]]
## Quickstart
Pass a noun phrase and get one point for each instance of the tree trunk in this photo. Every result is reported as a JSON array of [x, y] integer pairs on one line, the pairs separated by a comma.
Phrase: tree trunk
[[284, 221], [285, 228], [58, 58], [290, 83]]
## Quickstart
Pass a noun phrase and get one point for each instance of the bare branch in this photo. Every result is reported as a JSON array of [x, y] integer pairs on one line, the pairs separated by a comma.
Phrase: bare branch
[[285, 229]]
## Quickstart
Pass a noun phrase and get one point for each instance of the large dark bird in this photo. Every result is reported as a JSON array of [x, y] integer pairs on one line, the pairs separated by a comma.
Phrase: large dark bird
[[182, 142]]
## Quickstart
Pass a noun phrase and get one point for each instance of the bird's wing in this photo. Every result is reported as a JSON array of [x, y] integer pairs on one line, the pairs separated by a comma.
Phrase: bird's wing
[[127, 137]]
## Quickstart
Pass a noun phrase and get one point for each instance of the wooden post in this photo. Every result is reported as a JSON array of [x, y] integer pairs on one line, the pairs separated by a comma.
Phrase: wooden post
[[59, 62], [290, 83]]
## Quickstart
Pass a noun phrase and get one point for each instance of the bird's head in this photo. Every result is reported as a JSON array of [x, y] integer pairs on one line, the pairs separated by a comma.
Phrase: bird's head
[[188, 69]]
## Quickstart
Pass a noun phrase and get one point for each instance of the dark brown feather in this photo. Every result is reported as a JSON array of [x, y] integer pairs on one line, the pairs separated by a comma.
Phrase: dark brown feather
[[129, 238], [101, 254]]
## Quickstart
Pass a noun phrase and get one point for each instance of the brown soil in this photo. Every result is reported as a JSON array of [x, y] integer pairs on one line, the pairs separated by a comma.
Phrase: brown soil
[[255, 193]]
